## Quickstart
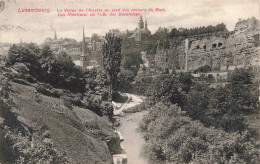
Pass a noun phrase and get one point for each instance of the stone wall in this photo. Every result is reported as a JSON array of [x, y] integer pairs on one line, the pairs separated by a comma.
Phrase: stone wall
[[237, 49]]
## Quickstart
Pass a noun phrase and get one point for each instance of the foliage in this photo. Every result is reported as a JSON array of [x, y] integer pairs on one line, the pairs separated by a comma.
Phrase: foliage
[[112, 56], [124, 79], [58, 71], [184, 32], [244, 91], [97, 93], [170, 88], [131, 59], [225, 106], [174, 137], [210, 127], [43, 65], [29, 55], [203, 69]]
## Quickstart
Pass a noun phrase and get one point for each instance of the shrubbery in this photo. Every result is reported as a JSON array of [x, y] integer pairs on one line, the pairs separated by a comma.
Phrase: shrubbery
[[184, 32], [42, 65], [189, 122], [174, 137], [170, 88], [56, 75]]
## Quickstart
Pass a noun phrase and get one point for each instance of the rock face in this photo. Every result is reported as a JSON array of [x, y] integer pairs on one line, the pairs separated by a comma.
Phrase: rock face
[[222, 52], [218, 52], [250, 24]]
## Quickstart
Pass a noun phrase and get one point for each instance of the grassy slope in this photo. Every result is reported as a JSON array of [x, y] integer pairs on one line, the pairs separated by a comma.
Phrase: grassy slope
[[79, 132]]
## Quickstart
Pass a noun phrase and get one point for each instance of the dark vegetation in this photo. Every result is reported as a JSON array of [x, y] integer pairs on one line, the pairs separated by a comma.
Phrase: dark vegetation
[[57, 76], [188, 121], [15, 137], [53, 106], [184, 32], [203, 69], [111, 58], [57, 70]]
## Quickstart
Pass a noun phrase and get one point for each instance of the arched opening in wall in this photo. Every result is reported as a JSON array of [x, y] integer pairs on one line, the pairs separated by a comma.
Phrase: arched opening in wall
[[205, 47], [190, 42], [214, 45], [220, 44], [256, 40]]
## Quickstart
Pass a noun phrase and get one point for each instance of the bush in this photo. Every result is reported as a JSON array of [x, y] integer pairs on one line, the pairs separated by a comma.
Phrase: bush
[[34, 64], [21, 81], [173, 136], [56, 93], [43, 89], [170, 88]]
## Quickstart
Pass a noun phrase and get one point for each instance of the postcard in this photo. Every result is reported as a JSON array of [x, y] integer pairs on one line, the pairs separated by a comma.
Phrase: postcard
[[130, 81]]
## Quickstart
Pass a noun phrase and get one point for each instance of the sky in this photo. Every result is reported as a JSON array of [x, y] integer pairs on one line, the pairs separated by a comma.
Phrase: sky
[[178, 13]]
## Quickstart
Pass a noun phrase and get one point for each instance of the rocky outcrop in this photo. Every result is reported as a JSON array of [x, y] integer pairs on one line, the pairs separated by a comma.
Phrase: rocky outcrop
[[222, 52], [250, 24]]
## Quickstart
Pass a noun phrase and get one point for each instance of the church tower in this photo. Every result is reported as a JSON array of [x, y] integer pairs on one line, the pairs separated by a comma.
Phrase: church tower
[[83, 56], [55, 36], [145, 26], [141, 23]]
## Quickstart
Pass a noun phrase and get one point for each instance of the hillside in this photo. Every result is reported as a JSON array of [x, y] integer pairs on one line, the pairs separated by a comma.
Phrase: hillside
[[39, 128]]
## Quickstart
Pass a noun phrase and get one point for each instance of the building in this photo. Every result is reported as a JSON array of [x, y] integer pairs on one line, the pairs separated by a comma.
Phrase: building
[[84, 58], [97, 46], [139, 32], [55, 43]]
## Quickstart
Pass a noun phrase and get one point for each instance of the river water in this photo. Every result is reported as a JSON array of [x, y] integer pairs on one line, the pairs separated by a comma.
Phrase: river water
[[133, 141]]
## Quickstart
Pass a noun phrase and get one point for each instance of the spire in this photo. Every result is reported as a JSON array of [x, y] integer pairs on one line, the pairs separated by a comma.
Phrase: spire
[[83, 43], [141, 23], [55, 36]]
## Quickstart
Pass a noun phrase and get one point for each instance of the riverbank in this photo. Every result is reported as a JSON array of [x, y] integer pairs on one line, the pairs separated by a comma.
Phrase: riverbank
[[134, 143], [131, 102]]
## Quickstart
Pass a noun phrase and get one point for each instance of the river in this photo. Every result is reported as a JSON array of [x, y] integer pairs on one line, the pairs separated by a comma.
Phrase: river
[[133, 141]]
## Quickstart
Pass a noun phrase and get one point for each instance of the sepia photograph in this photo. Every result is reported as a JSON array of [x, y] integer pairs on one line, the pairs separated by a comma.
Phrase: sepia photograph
[[129, 81]]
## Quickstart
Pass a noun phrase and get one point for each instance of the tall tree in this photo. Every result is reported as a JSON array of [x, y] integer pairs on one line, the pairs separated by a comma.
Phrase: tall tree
[[111, 53]]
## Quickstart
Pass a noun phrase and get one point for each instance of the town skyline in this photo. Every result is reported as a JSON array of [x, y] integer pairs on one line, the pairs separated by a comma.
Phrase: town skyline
[[186, 14]]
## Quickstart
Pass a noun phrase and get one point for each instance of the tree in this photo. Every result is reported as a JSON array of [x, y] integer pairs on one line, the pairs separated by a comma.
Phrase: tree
[[243, 89], [28, 54], [94, 37], [172, 136], [168, 88], [111, 53]]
